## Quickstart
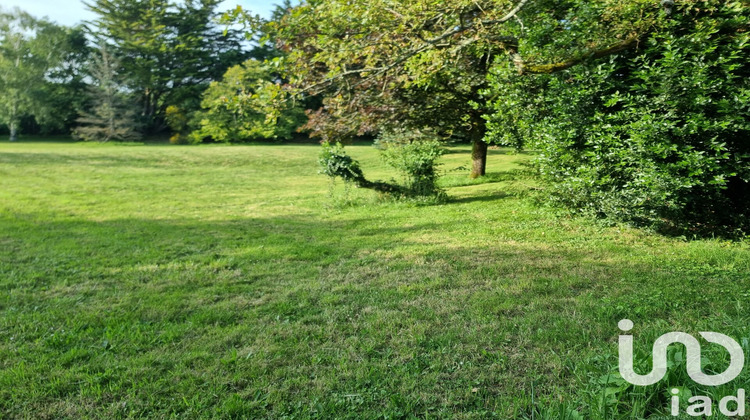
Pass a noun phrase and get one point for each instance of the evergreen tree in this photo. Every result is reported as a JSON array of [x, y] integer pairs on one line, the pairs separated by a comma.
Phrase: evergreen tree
[[170, 50], [111, 116]]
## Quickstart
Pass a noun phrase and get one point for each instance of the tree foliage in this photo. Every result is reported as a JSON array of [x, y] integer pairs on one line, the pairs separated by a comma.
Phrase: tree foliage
[[656, 135], [248, 103], [384, 64], [65, 90], [170, 50], [29, 48]]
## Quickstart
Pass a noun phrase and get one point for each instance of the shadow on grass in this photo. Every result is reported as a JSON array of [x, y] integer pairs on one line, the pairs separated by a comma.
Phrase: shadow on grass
[[450, 180], [100, 160], [38, 140], [268, 314]]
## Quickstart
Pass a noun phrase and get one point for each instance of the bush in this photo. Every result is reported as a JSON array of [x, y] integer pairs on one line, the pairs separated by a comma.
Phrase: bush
[[335, 163], [249, 103], [657, 136], [178, 121], [415, 155]]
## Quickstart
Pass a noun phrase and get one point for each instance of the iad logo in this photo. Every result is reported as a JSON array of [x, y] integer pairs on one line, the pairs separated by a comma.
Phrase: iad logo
[[700, 405], [693, 357]]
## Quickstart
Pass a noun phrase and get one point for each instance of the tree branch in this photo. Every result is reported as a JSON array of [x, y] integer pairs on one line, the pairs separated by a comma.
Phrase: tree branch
[[525, 68], [427, 44], [462, 29]]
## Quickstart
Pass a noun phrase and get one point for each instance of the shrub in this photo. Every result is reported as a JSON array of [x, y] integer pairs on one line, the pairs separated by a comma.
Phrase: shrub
[[249, 103], [657, 136], [178, 121], [415, 155], [335, 163]]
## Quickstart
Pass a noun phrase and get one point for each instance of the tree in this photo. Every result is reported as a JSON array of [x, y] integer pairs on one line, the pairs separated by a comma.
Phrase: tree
[[28, 49], [655, 134], [65, 91], [261, 32], [111, 116], [422, 63], [170, 50], [247, 104]]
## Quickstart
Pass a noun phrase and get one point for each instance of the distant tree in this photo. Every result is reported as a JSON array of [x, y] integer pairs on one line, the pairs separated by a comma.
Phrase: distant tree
[[29, 47], [261, 31], [111, 117], [170, 50], [65, 92], [247, 104]]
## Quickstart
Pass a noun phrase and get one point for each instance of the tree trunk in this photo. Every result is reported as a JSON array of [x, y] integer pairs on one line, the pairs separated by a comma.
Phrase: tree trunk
[[13, 131], [478, 158]]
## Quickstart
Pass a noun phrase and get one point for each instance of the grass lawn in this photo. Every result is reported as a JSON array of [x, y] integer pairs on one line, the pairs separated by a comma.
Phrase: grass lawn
[[234, 282]]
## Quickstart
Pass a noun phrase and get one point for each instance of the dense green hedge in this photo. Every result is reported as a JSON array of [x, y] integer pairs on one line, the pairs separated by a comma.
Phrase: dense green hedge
[[657, 136]]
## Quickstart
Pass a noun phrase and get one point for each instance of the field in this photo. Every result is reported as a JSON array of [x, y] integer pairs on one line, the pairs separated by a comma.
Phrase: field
[[157, 281]]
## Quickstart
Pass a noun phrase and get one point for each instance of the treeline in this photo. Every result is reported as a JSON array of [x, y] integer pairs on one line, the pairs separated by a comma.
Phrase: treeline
[[160, 67]]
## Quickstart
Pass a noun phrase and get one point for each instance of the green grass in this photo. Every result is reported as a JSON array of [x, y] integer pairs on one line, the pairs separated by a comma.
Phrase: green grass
[[235, 282]]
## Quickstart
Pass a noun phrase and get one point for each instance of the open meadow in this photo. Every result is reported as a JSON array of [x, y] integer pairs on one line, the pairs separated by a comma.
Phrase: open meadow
[[235, 282]]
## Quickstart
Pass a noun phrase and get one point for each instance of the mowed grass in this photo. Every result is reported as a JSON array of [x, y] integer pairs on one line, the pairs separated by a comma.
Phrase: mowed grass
[[234, 282]]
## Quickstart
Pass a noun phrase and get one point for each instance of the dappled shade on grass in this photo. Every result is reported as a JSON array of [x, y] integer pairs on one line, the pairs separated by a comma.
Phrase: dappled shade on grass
[[158, 281]]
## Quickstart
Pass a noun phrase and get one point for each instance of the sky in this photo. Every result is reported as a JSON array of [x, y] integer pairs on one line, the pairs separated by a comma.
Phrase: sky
[[70, 12]]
